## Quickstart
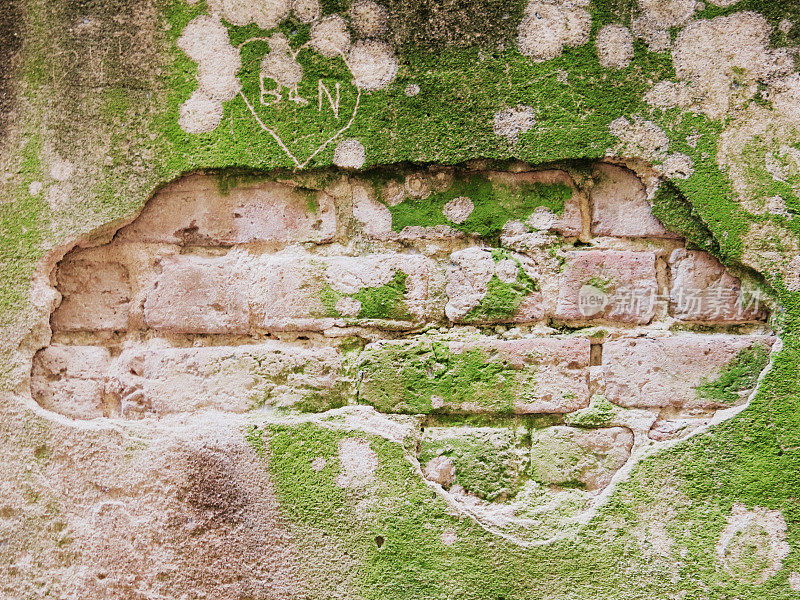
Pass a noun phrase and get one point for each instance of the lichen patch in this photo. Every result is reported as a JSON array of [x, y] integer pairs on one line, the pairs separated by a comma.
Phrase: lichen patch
[[548, 27]]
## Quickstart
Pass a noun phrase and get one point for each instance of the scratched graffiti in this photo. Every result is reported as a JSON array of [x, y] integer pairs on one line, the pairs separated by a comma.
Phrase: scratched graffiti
[[300, 67]]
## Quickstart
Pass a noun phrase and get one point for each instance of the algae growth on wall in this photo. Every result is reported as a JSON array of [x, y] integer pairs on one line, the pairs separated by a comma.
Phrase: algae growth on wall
[[432, 173]]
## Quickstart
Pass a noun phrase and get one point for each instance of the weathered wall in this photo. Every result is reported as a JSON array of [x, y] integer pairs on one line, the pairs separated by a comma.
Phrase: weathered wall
[[136, 469]]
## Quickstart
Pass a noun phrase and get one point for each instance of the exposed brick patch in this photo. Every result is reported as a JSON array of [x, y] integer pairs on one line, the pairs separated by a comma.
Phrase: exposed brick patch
[[614, 285], [72, 380], [702, 290], [657, 372], [194, 211], [620, 207], [306, 300], [486, 375], [197, 295], [95, 296]]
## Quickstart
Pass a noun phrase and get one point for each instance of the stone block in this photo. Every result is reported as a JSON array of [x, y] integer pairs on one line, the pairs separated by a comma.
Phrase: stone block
[[485, 461], [480, 375], [691, 370], [569, 222], [197, 295], [230, 378], [194, 211], [298, 291], [492, 286], [95, 296], [620, 207], [71, 380], [702, 290], [569, 456], [612, 285]]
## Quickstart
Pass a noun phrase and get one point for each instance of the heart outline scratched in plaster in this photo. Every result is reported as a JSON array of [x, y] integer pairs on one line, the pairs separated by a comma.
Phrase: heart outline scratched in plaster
[[283, 91]]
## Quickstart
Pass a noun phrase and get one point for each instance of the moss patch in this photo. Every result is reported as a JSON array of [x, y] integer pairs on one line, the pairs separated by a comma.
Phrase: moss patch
[[739, 375], [495, 204], [426, 376]]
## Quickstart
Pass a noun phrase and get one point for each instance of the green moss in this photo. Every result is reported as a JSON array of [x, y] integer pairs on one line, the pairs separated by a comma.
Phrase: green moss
[[604, 284], [598, 414], [410, 378], [229, 179], [502, 299], [676, 213], [488, 461], [739, 375], [386, 301], [495, 203]]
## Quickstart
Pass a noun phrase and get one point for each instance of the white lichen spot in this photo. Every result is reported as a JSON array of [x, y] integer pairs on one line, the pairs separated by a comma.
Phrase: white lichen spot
[[200, 113], [205, 41], [264, 13], [349, 307], [785, 97], [61, 169], [657, 16], [349, 154], [417, 185], [724, 59], [640, 138], [412, 89], [548, 26], [614, 46], [669, 94], [785, 26], [330, 36], [449, 536], [724, 2], [307, 11], [794, 581], [368, 18], [358, 462], [791, 277], [280, 65], [319, 463], [458, 209], [753, 545], [372, 63], [510, 123], [677, 166], [542, 219], [35, 188]]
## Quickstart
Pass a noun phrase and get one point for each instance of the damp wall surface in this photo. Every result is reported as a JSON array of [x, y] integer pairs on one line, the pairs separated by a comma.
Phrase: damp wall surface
[[423, 495]]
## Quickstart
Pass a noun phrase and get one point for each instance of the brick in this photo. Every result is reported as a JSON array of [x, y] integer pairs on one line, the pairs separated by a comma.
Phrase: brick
[[71, 380], [620, 207], [483, 287], [298, 291], [488, 462], [483, 375], [197, 295], [193, 211], [569, 222], [230, 378], [95, 296], [613, 285], [668, 371], [702, 290], [571, 456]]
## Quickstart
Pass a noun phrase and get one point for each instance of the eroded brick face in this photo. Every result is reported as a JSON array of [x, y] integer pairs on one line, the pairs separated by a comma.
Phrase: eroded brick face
[[565, 317]]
